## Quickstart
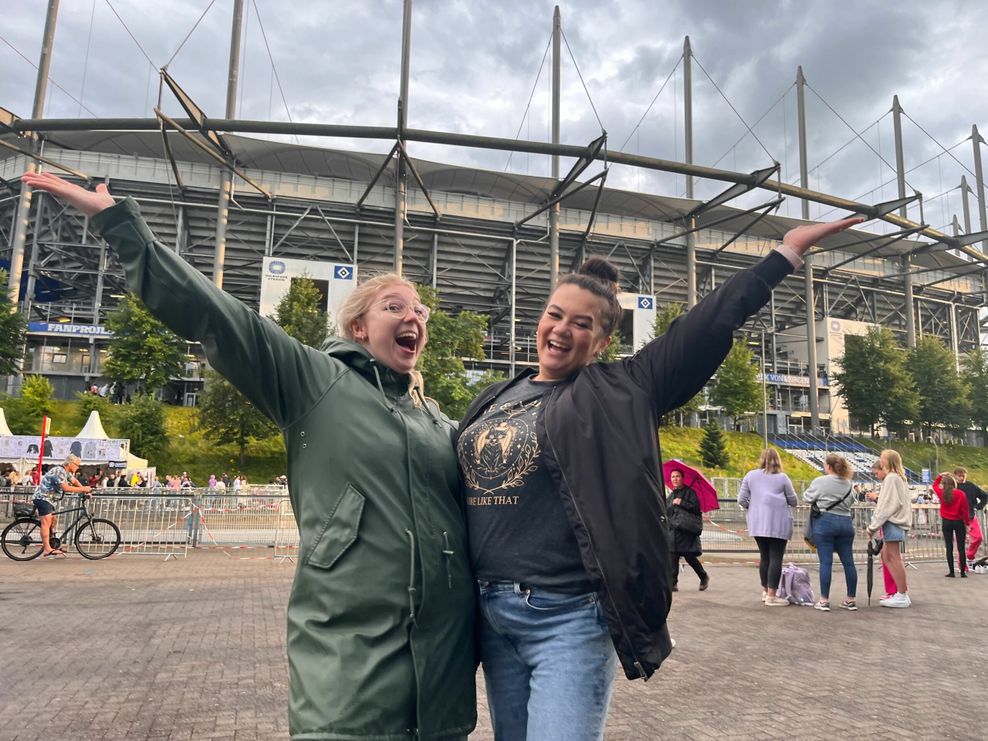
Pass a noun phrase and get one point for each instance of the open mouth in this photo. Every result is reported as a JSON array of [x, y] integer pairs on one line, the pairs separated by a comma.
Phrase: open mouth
[[556, 346], [408, 341]]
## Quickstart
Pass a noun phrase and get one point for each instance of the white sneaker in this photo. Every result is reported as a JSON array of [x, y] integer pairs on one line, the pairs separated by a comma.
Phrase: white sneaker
[[896, 600], [764, 595], [776, 601]]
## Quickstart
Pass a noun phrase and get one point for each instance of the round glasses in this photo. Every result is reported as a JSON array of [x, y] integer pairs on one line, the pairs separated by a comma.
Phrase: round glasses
[[397, 307]]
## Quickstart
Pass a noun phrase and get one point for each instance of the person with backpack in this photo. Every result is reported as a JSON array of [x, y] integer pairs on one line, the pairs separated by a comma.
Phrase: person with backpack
[[767, 494], [833, 528], [956, 518]]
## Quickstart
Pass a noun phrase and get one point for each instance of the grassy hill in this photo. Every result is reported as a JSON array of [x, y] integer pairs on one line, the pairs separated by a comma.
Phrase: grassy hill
[[189, 450]]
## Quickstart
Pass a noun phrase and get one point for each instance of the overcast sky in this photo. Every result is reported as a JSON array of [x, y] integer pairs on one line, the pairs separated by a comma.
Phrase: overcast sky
[[475, 65]]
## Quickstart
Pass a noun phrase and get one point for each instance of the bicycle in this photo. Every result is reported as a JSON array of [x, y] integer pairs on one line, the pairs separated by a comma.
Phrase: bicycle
[[95, 537]]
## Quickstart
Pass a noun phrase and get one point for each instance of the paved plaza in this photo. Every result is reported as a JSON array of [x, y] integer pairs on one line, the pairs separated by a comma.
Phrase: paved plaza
[[138, 648]]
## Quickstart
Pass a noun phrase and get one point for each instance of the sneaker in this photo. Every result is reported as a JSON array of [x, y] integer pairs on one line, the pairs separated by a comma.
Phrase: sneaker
[[848, 604], [821, 606], [764, 595], [896, 600], [775, 601], [963, 575], [949, 575], [704, 582]]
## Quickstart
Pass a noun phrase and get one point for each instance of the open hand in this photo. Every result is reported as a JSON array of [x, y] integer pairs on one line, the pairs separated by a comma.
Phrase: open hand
[[88, 201], [801, 238]]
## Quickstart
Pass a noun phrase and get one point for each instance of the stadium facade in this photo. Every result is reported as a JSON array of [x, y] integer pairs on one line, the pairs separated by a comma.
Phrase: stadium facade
[[488, 242]]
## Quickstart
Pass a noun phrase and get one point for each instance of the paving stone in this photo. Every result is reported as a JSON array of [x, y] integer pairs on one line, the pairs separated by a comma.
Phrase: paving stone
[[137, 648]]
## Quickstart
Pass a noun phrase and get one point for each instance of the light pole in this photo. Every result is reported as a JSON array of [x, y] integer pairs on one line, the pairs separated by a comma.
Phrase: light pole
[[764, 395]]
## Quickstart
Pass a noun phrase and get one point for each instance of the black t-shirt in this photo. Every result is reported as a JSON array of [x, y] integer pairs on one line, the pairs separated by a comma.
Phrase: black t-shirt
[[518, 528]]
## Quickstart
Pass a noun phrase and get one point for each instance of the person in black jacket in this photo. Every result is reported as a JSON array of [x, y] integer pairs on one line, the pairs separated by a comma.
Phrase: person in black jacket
[[684, 543], [562, 494], [976, 501]]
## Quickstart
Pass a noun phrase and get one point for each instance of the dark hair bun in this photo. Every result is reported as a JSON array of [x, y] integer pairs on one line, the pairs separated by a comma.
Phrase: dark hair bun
[[602, 270]]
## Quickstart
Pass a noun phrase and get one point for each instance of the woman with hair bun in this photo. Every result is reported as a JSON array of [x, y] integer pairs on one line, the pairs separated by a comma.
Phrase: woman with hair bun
[[833, 529], [565, 513], [956, 518]]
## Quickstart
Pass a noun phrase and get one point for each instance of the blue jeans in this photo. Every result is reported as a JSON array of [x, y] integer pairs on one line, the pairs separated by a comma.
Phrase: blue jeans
[[549, 663], [835, 533]]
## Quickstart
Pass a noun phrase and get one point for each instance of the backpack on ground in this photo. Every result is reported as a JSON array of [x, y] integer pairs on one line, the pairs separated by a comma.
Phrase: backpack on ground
[[795, 585]]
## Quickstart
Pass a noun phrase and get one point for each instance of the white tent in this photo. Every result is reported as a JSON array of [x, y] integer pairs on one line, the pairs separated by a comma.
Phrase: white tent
[[93, 430], [4, 429]]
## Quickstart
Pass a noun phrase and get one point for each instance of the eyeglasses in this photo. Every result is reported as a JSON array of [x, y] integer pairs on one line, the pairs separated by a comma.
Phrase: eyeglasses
[[399, 308]]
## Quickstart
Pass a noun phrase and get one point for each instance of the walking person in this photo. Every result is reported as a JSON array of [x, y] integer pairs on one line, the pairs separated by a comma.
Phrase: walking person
[[685, 526], [767, 494], [976, 501], [893, 517], [955, 516], [381, 615], [562, 491], [56, 482], [833, 528]]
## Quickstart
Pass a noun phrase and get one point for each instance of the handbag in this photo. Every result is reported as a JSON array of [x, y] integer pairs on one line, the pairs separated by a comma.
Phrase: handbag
[[815, 512], [688, 522]]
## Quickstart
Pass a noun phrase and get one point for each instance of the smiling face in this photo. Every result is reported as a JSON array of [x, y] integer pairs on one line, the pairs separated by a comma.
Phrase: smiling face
[[395, 339], [569, 333]]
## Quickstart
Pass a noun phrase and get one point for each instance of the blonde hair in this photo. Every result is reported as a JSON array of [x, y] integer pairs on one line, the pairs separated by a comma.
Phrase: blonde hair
[[769, 461], [360, 299], [960, 470], [892, 462], [839, 465]]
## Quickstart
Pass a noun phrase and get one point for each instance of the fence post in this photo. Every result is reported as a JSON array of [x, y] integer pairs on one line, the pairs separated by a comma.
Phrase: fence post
[[194, 521]]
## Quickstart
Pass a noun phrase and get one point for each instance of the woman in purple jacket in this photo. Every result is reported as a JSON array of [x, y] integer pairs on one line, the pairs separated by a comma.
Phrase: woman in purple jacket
[[767, 494]]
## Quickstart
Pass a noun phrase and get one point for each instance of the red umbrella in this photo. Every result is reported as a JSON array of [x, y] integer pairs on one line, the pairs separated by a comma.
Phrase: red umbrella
[[692, 478]]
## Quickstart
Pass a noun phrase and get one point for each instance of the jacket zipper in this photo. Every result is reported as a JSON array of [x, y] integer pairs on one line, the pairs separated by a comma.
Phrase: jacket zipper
[[593, 551]]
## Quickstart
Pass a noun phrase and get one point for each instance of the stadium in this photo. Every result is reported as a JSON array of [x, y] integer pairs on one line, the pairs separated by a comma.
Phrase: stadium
[[232, 202]]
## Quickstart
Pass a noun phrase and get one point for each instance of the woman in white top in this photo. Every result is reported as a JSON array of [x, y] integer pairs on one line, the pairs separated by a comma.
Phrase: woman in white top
[[893, 516]]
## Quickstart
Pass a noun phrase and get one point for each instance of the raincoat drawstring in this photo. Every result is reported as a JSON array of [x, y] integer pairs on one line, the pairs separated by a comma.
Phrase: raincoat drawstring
[[448, 553], [411, 575]]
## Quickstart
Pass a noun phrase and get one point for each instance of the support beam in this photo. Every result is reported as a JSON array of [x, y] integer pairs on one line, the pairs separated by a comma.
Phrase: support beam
[[979, 183], [24, 201], [691, 296], [554, 210], [804, 179]]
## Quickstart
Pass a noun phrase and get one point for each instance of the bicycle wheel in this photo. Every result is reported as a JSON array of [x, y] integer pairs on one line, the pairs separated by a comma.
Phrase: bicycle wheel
[[97, 538], [21, 539]]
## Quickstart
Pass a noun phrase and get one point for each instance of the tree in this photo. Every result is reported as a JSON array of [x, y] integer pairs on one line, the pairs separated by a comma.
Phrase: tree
[[974, 367], [142, 349], [735, 388], [24, 414], [452, 338], [225, 415], [143, 422], [713, 452], [664, 317], [942, 393], [11, 333], [300, 315], [873, 380]]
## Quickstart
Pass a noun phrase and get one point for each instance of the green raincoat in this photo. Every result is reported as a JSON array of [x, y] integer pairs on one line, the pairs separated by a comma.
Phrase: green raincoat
[[380, 621]]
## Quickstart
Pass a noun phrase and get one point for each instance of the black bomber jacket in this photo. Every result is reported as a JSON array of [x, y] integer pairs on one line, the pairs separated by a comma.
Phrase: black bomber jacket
[[598, 435]]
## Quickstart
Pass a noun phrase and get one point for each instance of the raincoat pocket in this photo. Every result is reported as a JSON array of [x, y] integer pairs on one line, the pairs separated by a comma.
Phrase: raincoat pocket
[[339, 531]]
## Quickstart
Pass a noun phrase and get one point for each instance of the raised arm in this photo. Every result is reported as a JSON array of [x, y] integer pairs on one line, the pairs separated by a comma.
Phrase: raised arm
[[676, 365], [279, 375]]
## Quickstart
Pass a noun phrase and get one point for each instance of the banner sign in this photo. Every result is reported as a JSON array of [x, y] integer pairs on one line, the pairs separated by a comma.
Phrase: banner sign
[[57, 449], [71, 330]]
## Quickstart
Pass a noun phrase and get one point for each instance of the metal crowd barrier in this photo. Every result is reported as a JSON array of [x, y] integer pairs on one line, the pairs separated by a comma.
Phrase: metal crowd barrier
[[169, 523]]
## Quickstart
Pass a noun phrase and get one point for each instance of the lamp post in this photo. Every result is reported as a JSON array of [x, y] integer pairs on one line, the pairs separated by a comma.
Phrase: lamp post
[[764, 395]]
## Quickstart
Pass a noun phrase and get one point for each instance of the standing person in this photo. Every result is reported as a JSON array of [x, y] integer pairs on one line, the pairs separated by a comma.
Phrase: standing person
[[955, 516], [565, 514], [685, 543], [872, 496], [833, 529], [381, 615], [767, 494], [55, 484], [976, 501], [893, 516]]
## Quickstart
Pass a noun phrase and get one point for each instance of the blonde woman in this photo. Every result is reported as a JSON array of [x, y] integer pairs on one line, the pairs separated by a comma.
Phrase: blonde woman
[[893, 516], [767, 494], [381, 615]]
